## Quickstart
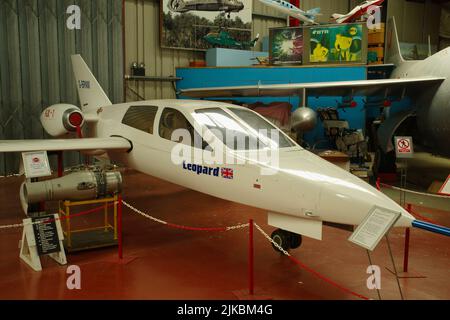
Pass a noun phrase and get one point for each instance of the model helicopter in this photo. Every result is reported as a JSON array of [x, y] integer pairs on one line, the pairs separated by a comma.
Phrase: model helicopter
[[357, 12], [226, 6], [224, 39], [307, 17]]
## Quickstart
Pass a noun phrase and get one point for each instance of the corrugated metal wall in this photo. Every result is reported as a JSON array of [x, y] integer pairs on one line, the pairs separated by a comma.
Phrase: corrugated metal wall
[[415, 20], [35, 68]]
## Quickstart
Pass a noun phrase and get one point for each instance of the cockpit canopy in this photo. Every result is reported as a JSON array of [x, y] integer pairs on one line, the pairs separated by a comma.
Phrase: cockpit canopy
[[237, 128]]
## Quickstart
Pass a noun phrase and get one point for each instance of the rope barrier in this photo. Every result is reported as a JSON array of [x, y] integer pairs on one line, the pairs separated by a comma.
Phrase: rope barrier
[[176, 226], [83, 213], [303, 266], [415, 214], [414, 192]]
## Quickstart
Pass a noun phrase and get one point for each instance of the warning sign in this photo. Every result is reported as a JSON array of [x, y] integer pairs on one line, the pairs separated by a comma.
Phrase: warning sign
[[445, 189], [404, 147]]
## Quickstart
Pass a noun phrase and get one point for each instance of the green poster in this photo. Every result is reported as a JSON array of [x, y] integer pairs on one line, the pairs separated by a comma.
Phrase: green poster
[[336, 44]]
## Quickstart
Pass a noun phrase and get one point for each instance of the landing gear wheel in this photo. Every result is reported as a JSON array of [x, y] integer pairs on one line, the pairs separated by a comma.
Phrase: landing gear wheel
[[281, 238], [296, 240]]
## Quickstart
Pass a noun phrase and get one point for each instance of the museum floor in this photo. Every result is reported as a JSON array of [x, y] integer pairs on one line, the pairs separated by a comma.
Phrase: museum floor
[[164, 263]]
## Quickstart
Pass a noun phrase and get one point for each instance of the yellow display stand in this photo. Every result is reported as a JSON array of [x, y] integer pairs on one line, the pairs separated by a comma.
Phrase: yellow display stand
[[92, 237]]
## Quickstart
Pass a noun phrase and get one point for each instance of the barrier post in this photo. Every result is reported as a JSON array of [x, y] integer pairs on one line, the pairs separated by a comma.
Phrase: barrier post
[[406, 252], [60, 164], [250, 260], [119, 225], [378, 184]]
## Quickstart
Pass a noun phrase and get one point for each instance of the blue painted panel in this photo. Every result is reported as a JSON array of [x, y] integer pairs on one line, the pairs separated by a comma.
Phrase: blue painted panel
[[220, 57]]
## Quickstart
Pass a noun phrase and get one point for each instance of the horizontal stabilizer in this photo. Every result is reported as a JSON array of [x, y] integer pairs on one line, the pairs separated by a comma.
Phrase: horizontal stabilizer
[[113, 143]]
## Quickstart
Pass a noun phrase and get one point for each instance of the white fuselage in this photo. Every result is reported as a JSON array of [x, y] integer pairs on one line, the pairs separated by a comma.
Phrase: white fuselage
[[304, 186], [358, 11]]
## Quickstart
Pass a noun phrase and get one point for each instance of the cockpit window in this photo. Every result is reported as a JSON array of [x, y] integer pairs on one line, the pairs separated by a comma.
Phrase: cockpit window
[[252, 133], [141, 118], [172, 125], [257, 123]]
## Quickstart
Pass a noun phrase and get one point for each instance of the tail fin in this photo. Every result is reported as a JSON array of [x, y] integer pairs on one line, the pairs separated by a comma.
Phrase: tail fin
[[90, 92], [393, 52]]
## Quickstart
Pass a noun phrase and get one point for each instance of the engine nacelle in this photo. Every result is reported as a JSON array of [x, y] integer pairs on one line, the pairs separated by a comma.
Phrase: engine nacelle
[[61, 119]]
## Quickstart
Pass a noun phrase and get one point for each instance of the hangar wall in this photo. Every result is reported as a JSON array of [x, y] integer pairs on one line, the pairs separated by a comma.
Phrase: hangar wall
[[416, 20], [35, 69], [142, 45]]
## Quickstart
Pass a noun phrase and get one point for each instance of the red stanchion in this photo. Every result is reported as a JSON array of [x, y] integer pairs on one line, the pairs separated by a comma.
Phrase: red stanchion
[[119, 225], [251, 255], [378, 184], [60, 164], [406, 251]]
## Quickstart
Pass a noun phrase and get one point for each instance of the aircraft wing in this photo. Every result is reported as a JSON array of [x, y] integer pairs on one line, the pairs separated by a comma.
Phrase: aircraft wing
[[337, 88], [85, 144]]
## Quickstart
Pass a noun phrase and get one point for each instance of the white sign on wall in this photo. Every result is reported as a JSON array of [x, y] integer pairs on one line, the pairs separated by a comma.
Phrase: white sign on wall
[[36, 164], [374, 227], [445, 189], [404, 147]]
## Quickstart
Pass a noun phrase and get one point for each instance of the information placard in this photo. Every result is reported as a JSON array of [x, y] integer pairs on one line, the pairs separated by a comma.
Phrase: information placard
[[36, 164], [374, 227], [46, 235]]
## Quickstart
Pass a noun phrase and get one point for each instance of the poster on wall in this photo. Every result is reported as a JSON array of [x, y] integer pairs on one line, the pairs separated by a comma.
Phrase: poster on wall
[[337, 44], [189, 24], [286, 45]]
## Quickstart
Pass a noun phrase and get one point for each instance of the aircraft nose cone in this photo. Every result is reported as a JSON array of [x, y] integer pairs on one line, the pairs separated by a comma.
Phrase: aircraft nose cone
[[345, 198]]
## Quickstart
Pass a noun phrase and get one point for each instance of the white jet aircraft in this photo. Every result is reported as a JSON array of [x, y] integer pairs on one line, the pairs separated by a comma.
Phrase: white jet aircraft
[[307, 17], [357, 12], [303, 191]]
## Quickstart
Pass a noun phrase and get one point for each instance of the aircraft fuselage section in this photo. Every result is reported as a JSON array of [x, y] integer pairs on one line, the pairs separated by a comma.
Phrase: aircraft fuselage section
[[433, 106], [300, 185]]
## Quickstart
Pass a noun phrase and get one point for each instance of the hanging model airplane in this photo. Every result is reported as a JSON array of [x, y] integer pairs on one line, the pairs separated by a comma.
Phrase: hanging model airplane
[[300, 191], [307, 17], [227, 6], [357, 12]]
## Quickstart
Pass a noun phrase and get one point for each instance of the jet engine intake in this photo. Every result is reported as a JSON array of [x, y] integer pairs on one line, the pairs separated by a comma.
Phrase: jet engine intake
[[61, 119], [85, 184]]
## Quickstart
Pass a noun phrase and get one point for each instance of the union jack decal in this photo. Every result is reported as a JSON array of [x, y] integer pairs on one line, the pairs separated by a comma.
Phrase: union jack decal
[[227, 173]]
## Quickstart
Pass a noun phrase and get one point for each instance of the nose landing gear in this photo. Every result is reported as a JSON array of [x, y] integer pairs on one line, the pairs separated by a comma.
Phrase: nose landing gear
[[286, 240]]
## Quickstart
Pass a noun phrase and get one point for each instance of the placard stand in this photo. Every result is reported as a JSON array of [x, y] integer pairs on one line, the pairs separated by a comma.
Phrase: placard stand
[[29, 250]]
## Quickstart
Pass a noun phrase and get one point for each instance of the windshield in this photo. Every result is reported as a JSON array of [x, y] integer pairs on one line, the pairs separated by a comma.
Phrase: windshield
[[251, 133]]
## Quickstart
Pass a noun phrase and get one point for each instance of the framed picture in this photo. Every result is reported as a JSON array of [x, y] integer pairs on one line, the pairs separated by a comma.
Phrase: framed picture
[[286, 45], [336, 44], [185, 24]]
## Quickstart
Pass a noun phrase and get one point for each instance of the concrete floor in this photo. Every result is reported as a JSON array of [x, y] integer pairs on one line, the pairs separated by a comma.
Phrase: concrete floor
[[164, 263]]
